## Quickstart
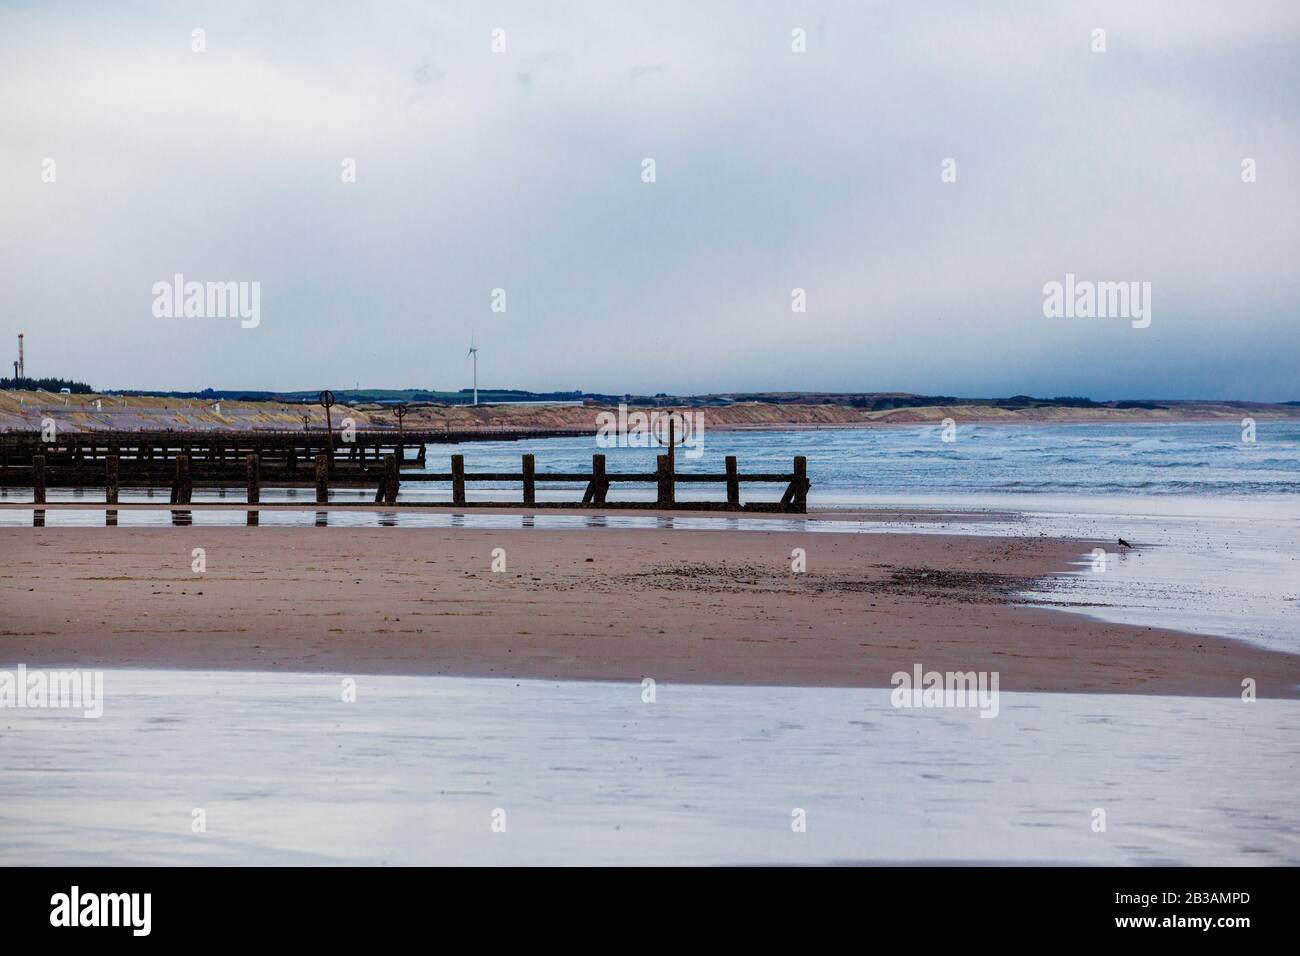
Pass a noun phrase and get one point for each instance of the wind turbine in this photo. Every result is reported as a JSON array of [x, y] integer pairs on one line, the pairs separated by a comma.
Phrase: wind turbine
[[473, 353]]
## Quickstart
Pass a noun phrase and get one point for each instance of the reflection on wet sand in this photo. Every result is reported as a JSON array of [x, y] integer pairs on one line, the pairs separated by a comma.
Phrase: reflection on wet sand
[[297, 777]]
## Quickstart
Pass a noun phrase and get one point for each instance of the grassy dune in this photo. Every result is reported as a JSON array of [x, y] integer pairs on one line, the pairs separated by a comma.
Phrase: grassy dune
[[26, 411]]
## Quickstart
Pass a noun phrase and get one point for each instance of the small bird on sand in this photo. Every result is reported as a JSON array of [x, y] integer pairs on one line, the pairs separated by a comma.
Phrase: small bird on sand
[[1124, 544]]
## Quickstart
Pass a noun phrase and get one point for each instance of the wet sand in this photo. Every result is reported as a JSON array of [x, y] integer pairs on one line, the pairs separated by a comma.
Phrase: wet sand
[[911, 515], [698, 607], [289, 774]]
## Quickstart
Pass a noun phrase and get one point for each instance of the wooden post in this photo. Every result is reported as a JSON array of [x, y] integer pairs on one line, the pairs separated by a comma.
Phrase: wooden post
[[530, 480], [323, 479], [672, 459], [327, 402], [38, 479], [110, 480], [796, 493], [599, 483], [733, 482], [391, 478], [184, 487], [664, 476], [254, 479], [458, 479]]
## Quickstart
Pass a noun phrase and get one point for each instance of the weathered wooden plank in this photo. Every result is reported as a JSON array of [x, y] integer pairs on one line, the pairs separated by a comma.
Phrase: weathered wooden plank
[[183, 487], [529, 480], [38, 479], [458, 479], [391, 478], [110, 480], [802, 484], [599, 483], [664, 478], [322, 479], [254, 465]]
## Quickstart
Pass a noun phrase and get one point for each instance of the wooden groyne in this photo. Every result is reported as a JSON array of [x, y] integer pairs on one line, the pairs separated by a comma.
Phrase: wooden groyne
[[383, 461], [273, 445]]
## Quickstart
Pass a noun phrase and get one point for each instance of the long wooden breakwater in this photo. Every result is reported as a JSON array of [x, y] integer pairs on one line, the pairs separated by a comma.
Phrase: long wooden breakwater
[[183, 462], [282, 447]]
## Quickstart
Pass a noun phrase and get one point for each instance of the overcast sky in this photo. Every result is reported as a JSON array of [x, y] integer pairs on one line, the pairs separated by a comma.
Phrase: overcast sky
[[522, 170]]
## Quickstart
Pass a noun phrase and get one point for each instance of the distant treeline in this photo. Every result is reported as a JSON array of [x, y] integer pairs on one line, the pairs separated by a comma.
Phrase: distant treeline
[[877, 403], [886, 401], [1064, 401], [46, 385]]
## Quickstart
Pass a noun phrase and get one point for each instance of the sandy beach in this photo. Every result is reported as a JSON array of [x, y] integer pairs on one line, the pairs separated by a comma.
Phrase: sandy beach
[[697, 607]]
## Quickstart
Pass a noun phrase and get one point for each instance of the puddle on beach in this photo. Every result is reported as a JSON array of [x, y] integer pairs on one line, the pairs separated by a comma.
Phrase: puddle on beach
[[587, 773], [1231, 576]]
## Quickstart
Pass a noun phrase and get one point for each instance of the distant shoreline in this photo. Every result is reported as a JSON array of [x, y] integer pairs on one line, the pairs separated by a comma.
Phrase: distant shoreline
[[895, 423], [27, 411]]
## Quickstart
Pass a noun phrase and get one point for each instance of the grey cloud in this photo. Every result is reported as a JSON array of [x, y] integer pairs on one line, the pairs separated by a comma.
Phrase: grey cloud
[[775, 170]]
